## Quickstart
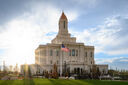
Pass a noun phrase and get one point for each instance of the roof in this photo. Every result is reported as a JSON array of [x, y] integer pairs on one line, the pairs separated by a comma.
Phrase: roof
[[63, 16]]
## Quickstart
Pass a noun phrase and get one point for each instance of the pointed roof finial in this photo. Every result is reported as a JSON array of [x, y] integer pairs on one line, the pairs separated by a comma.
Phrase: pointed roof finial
[[63, 16]]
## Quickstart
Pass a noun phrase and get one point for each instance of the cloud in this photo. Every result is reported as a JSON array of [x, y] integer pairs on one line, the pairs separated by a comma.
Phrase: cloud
[[114, 63], [106, 60], [11, 9], [110, 37], [22, 35], [69, 4]]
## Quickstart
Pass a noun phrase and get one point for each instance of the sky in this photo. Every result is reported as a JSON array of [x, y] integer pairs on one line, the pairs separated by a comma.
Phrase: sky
[[25, 24]]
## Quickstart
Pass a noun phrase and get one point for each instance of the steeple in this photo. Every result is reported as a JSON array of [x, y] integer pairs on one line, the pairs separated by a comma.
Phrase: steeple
[[63, 16], [63, 35], [63, 24]]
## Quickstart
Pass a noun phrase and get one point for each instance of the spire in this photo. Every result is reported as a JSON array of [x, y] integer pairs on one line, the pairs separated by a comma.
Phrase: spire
[[63, 16], [63, 35], [63, 23]]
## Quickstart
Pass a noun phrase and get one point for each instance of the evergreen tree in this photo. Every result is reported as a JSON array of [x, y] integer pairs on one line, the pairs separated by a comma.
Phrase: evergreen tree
[[55, 73]]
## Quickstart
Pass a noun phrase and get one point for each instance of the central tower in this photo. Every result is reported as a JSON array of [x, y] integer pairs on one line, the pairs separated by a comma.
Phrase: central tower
[[63, 35], [63, 25]]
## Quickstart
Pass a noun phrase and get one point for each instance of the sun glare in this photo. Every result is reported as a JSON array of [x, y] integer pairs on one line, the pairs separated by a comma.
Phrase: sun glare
[[21, 43]]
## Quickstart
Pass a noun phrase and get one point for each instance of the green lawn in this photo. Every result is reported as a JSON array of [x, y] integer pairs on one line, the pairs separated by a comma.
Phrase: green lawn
[[60, 82]]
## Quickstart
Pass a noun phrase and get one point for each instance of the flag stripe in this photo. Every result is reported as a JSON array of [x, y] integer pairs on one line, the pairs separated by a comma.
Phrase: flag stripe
[[63, 48]]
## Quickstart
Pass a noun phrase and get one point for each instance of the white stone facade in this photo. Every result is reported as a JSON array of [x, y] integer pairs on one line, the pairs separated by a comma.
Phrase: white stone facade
[[80, 57]]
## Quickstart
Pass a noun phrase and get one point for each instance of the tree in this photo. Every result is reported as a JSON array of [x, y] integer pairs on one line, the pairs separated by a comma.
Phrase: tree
[[55, 73], [111, 72], [46, 74], [98, 72], [94, 72]]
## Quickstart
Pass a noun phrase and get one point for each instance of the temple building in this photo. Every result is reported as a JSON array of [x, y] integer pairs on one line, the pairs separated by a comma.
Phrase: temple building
[[79, 58]]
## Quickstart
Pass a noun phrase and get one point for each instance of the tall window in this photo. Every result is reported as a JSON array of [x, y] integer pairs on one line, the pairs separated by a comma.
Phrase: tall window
[[91, 54], [64, 24], [73, 52], [50, 52], [51, 61], [44, 52], [57, 62], [86, 54], [70, 52], [76, 52], [57, 53], [91, 62]]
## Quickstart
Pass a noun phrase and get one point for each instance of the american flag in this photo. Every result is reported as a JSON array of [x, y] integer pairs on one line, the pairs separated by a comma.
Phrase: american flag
[[63, 48]]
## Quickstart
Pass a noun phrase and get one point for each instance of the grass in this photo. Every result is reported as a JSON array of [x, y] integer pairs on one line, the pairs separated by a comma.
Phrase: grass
[[60, 82]]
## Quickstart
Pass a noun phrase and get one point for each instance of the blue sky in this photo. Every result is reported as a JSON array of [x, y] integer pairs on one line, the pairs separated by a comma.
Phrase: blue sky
[[24, 24]]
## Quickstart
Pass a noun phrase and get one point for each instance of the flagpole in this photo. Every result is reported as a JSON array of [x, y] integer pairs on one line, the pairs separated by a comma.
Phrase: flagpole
[[62, 61], [61, 64], [63, 49]]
